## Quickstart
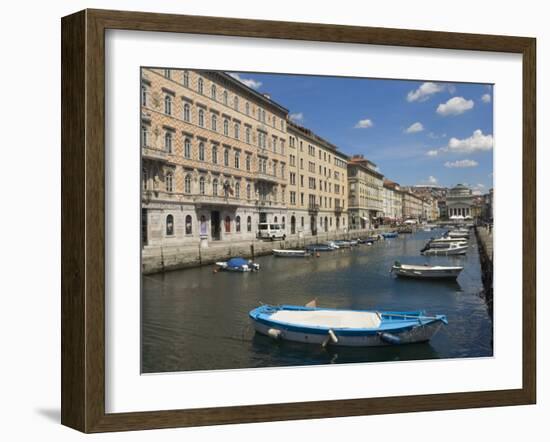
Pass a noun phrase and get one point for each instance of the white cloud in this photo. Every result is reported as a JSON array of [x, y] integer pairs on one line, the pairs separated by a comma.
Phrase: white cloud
[[298, 117], [364, 124], [477, 142], [432, 153], [424, 91], [415, 127], [432, 180], [481, 186], [461, 164], [486, 98], [250, 82], [455, 106]]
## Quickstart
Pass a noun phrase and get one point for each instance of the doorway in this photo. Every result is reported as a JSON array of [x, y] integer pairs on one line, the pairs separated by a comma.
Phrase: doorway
[[215, 225]]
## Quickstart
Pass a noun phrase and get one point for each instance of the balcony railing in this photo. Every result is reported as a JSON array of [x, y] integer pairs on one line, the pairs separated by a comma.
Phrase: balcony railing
[[313, 207], [338, 208], [152, 153], [269, 203], [153, 195], [264, 176]]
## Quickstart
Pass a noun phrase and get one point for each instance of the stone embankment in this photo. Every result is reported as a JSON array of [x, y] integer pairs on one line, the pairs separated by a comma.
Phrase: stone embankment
[[484, 237], [160, 259]]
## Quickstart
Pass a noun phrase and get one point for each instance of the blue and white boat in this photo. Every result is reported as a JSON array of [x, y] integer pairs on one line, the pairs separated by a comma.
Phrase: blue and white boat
[[353, 328], [238, 265], [387, 235]]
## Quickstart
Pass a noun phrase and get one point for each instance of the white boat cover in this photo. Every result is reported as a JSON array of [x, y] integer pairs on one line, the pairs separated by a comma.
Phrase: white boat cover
[[328, 318]]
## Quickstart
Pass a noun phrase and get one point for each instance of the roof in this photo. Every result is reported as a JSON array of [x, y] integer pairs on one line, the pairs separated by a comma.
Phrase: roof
[[304, 131], [257, 94]]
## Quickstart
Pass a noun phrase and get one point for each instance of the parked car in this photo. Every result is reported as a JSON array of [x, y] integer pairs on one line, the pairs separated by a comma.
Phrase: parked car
[[271, 231]]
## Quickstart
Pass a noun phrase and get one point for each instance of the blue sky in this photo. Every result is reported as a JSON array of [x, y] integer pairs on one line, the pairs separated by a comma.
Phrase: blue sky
[[416, 132]]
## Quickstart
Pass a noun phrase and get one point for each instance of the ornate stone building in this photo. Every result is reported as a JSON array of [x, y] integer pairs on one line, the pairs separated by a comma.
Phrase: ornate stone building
[[317, 184], [393, 200], [214, 158], [365, 192], [460, 202]]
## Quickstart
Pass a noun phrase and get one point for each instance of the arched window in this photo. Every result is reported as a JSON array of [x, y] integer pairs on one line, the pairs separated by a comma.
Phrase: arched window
[[236, 103], [169, 182], [187, 186], [187, 112], [214, 154], [247, 134], [226, 157], [214, 122], [186, 78], [225, 97], [213, 91], [188, 225], [227, 224], [168, 105], [259, 114], [200, 86], [237, 130], [283, 221], [203, 226], [275, 219], [249, 224], [248, 162], [274, 121], [238, 190], [248, 191], [143, 95], [247, 108], [215, 187], [187, 148], [144, 136], [238, 224], [168, 142], [169, 225], [201, 152], [225, 127], [302, 222], [237, 160], [292, 225], [201, 186], [145, 177], [201, 118]]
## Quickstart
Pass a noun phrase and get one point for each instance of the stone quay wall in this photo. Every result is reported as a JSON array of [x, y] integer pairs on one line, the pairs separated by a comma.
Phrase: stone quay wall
[[484, 237], [155, 259]]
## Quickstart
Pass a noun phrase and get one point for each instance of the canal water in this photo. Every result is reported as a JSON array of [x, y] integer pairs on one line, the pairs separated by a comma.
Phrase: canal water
[[195, 319]]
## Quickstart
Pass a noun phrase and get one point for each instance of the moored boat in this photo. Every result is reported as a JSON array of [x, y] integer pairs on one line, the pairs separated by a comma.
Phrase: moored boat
[[386, 235], [238, 265], [320, 248], [426, 271], [342, 244], [291, 253], [340, 327], [453, 249]]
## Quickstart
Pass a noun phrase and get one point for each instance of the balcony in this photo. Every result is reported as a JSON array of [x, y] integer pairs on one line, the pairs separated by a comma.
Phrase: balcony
[[313, 208], [218, 200], [261, 203], [264, 176], [338, 208], [151, 153]]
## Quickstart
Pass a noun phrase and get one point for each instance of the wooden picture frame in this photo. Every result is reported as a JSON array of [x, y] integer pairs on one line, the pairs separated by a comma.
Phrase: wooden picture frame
[[83, 220]]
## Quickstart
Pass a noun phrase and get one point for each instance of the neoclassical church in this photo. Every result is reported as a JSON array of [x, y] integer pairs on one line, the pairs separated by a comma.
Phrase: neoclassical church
[[460, 202]]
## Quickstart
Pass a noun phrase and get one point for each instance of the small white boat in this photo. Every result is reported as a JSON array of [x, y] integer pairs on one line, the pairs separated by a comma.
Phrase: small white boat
[[426, 271], [453, 249], [343, 244], [238, 265], [291, 253], [354, 328], [443, 245], [458, 234], [448, 239]]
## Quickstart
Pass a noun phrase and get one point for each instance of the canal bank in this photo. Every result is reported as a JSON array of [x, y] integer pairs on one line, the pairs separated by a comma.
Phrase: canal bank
[[484, 237], [161, 259]]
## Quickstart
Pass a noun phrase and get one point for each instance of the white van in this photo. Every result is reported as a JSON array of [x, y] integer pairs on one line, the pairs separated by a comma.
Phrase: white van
[[271, 231]]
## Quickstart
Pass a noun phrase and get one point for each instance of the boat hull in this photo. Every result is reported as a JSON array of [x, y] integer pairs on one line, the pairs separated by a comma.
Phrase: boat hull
[[427, 274], [413, 332], [291, 253], [446, 252]]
